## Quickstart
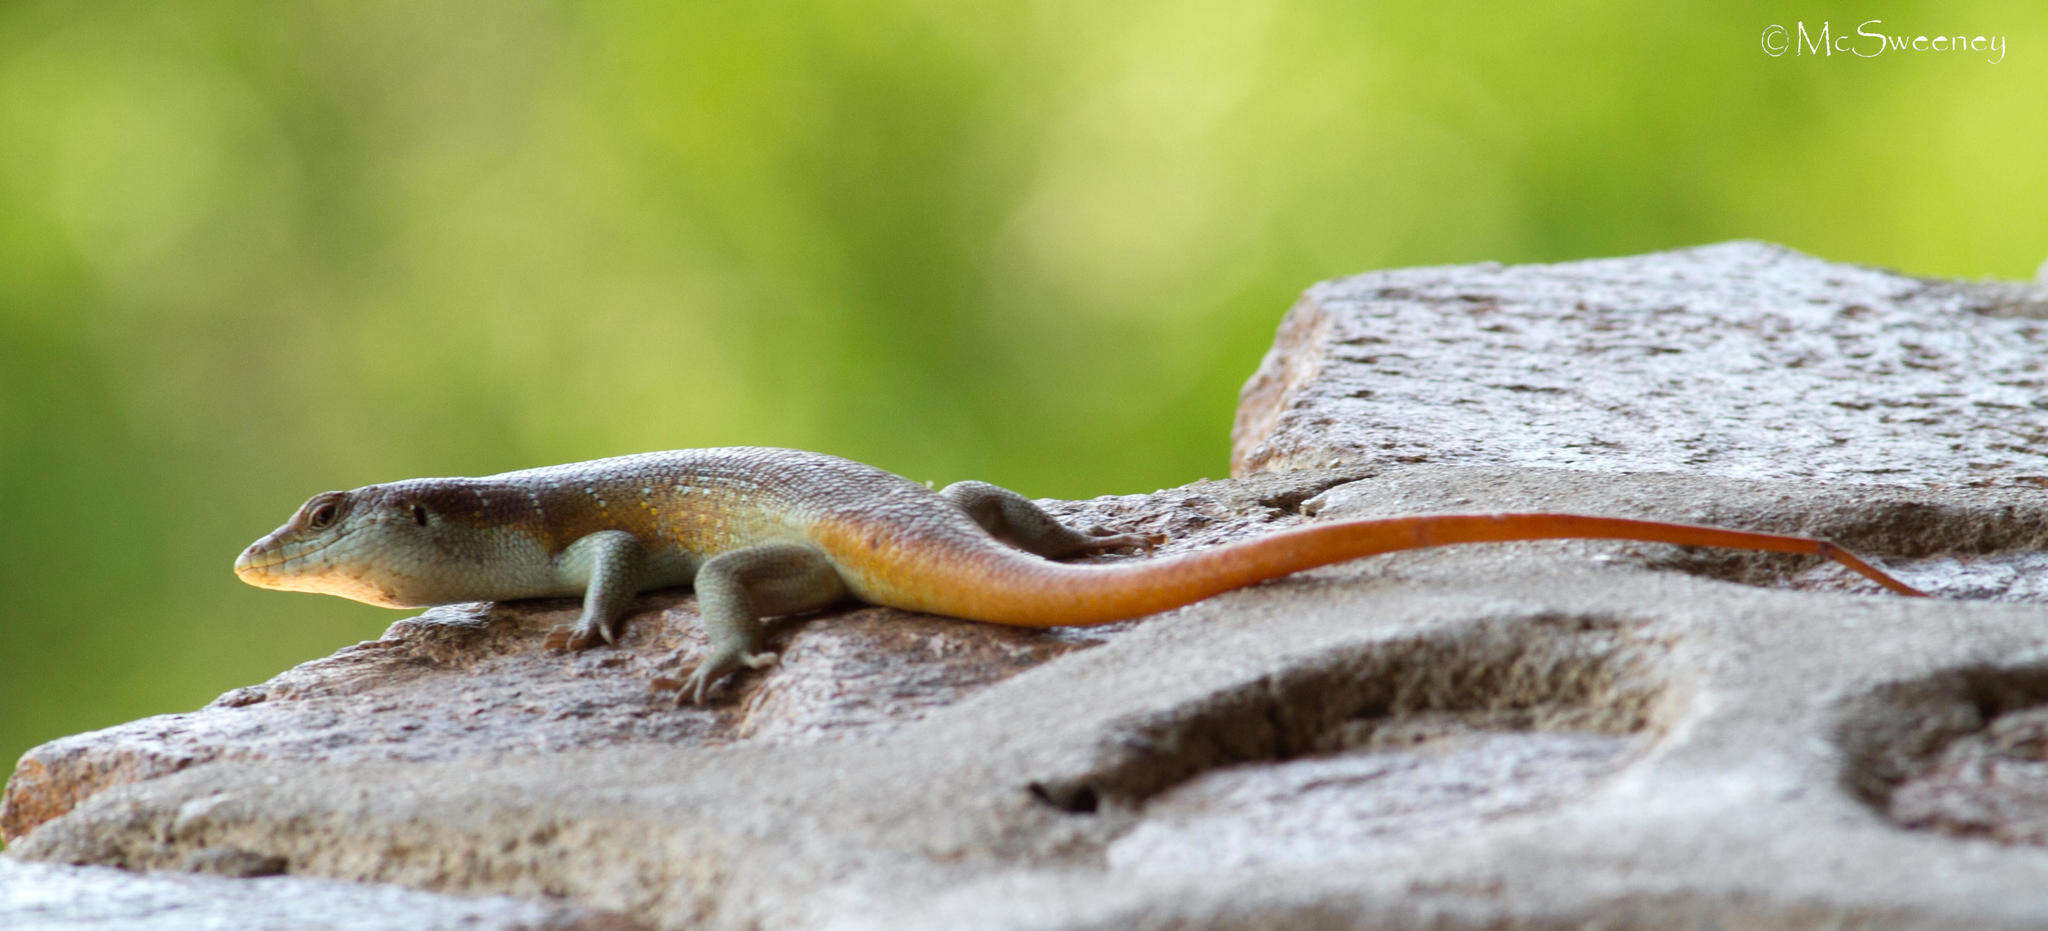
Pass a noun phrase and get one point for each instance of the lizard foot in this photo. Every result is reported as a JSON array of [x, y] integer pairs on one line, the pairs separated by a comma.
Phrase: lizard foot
[[1101, 539], [691, 690], [570, 638]]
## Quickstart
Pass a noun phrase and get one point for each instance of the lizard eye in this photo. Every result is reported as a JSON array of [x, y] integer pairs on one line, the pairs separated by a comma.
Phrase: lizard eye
[[419, 515], [321, 517]]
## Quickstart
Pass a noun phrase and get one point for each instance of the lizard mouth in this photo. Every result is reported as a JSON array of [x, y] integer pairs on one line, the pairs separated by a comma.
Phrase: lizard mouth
[[288, 565], [255, 564]]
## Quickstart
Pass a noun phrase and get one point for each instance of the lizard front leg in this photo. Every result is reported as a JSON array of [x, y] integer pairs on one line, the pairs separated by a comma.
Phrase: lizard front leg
[[736, 590], [609, 566]]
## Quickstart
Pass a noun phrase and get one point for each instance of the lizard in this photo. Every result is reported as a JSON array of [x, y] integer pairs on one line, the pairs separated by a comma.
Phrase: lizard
[[762, 532]]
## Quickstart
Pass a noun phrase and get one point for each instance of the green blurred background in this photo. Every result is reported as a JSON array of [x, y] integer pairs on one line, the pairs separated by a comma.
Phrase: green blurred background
[[252, 251]]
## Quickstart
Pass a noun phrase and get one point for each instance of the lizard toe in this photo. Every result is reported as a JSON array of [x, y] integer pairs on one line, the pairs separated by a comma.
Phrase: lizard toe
[[1123, 541], [561, 640], [693, 691], [581, 636]]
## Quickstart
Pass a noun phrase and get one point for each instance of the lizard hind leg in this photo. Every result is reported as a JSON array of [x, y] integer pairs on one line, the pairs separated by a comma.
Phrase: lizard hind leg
[[736, 590], [1014, 519]]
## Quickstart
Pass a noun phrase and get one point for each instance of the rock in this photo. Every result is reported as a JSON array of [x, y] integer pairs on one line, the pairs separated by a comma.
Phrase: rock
[[1741, 359], [36, 896], [1543, 733]]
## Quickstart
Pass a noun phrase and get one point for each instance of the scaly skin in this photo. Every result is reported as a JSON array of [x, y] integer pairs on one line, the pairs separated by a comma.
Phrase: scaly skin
[[764, 532]]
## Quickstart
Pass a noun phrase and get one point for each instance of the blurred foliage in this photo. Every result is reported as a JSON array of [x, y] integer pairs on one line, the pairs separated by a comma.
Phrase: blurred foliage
[[252, 251]]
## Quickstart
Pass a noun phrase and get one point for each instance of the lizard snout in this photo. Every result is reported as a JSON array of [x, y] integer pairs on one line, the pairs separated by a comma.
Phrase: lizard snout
[[245, 564], [257, 562]]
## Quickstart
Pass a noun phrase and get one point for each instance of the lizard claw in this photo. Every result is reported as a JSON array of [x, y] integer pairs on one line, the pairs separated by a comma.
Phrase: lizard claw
[[571, 638], [691, 690]]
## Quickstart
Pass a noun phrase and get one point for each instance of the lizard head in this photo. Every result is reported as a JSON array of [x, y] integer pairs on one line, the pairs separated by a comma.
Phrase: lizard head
[[396, 546]]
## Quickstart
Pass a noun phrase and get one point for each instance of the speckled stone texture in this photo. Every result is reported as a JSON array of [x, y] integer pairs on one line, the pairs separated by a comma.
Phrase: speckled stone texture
[[48, 897], [1541, 734], [1741, 359]]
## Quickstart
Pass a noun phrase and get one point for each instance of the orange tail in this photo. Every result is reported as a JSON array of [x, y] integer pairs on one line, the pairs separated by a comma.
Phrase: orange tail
[[1027, 592]]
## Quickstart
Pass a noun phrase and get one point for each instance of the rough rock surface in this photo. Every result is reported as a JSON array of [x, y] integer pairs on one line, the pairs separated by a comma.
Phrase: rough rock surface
[[47, 896], [1547, 733], [1741, 359]]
